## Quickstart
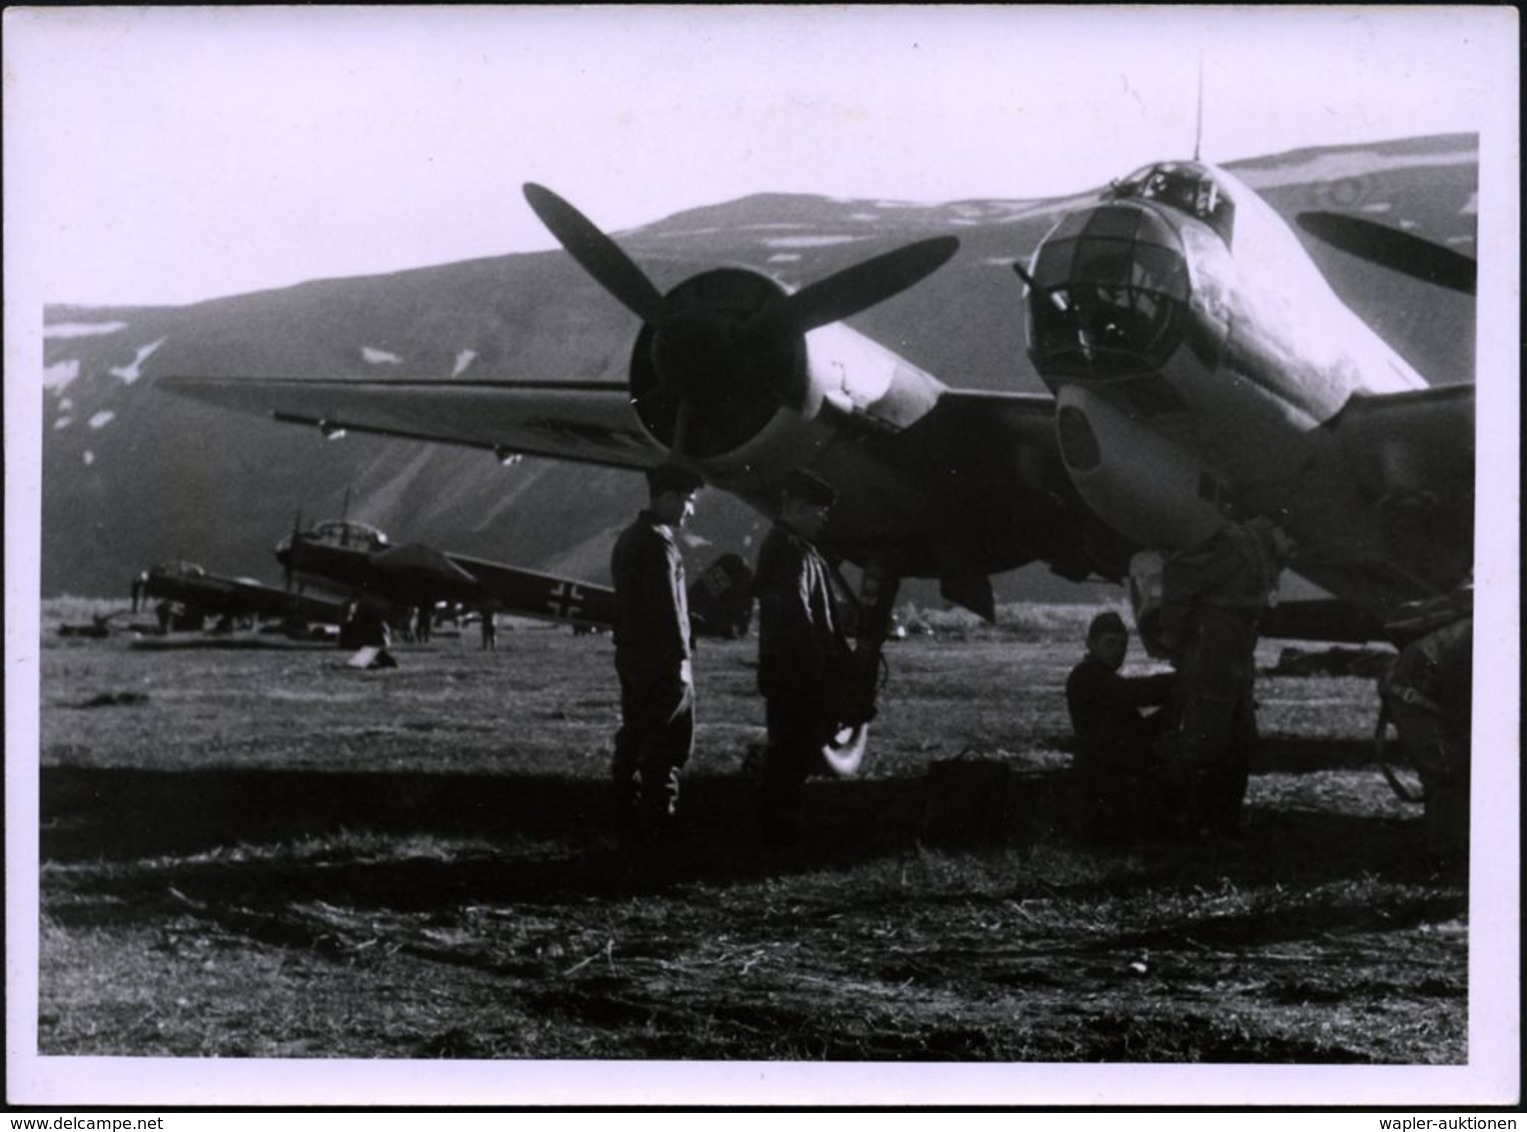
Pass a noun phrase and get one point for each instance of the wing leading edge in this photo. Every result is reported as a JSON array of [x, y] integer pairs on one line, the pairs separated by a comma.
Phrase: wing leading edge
[[585, 422]]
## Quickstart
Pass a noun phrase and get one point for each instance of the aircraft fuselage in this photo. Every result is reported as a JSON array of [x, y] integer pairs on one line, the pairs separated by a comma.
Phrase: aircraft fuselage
[[1198, 356]]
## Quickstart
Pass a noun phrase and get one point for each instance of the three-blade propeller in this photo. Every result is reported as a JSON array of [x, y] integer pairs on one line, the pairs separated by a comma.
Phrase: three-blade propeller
[[1393, 248], [694, 348]]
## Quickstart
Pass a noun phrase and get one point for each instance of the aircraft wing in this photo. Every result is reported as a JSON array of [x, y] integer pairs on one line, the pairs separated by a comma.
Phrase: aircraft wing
[[236, 597], [720, 599], [587, 422], [1402, 466], [1422, 440], [529, 594]]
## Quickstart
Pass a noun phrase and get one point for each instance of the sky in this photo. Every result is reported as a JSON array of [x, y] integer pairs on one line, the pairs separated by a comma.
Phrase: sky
[[167, 155]]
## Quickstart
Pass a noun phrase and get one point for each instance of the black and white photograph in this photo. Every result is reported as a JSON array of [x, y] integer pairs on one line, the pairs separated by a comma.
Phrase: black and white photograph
[[762, 555]]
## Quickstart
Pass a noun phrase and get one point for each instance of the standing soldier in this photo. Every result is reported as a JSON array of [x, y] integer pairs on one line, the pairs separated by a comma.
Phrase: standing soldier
[[803, 653], [652, 658], [1213, 598], [1427, 694]]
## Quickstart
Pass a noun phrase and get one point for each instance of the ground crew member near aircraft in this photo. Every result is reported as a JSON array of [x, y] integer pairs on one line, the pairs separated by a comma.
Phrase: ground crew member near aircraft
[[1427, 694], [652, 659], [803, 652], [489, 628], [1117, 787], [1213, 598], [368, 628]]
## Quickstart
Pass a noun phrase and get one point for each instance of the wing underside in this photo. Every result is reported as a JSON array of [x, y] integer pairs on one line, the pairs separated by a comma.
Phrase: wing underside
[[587, 422]]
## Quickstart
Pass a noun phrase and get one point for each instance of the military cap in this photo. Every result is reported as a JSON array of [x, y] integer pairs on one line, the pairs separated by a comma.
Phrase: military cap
[[671, 477], [1105, 624], [809, 488]]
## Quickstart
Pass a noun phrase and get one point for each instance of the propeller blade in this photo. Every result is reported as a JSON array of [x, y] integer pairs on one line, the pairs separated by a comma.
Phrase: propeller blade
[[597, 254], [1392, 248], [681, 430], [849, 291]]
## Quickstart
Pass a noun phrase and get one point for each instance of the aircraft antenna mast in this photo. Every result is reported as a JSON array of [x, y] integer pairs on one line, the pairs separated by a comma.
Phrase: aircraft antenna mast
[[1198, 131]]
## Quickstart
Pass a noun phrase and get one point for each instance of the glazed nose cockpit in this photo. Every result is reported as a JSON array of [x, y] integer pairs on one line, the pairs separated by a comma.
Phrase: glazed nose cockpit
[[1109, 293]]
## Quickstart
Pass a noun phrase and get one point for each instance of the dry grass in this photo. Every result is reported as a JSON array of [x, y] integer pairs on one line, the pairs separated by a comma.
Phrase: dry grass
[[264, 853]]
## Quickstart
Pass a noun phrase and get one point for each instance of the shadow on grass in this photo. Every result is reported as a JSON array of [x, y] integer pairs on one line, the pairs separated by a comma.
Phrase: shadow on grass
[[1290, 754], [258, 835]]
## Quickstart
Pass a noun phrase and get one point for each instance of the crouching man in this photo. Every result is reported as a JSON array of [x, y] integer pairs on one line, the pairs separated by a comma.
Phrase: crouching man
[[1116, 790]]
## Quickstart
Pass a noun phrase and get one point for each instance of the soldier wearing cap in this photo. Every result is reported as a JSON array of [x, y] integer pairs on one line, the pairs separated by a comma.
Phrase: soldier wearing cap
[[803, 652], [652, 658], [1112, 766], [1213, 598]]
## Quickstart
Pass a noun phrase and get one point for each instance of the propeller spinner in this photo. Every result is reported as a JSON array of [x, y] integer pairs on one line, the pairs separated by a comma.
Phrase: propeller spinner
[[723, 346]]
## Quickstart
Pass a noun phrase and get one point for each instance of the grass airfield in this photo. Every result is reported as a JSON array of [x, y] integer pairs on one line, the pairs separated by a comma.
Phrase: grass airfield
[[259, 852]]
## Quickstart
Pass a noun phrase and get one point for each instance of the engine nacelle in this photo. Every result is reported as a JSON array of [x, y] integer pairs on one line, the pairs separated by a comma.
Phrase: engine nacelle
[[747, 412]]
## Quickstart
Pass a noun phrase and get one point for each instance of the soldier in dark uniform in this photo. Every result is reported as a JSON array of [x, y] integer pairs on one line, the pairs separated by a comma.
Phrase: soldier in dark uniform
[[1117, 789], [652, 658], [1427, 694], [803, 652], [1213, 598]]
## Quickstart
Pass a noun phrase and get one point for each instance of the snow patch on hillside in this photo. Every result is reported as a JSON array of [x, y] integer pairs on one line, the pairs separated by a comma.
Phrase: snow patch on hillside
[[81, 329], [60, 374], [464, 358], [1338, 166], [131, 373], [809, 241], [62, 423], [380, 357], [102, 419]]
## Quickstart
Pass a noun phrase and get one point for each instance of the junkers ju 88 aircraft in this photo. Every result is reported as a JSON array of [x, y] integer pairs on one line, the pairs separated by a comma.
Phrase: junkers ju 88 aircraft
[[1201, 370], [356, 559]]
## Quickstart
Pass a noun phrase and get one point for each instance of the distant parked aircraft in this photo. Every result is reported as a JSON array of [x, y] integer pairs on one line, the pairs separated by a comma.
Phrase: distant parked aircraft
[[189, 596], [357, 560]]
